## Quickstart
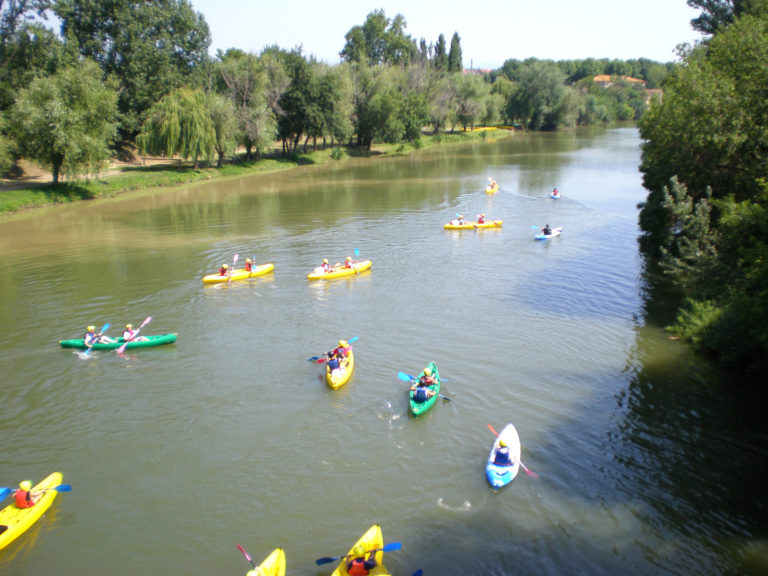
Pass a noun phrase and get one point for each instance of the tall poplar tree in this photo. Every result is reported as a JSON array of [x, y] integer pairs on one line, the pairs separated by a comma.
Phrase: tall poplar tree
[[454, 55]]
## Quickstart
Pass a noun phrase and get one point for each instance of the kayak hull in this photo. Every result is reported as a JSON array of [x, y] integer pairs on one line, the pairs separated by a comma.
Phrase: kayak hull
[[337, 378], [273, 565], [339, 272], [371, 540], [473, 225], [500, 476], [555, 232], [18, 520], [419, 408], [150, 342], [492, 189], [239, 274]]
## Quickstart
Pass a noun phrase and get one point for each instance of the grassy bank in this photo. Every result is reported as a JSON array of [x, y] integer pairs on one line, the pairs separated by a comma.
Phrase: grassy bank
[[130, 178]]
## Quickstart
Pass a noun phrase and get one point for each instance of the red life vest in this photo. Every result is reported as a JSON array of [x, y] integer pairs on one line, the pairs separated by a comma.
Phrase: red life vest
[[24, 499], [357, 567]]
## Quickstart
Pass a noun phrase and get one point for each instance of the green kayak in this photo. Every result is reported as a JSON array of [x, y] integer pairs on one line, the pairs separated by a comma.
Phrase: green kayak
[[419, 407], [150, 341]]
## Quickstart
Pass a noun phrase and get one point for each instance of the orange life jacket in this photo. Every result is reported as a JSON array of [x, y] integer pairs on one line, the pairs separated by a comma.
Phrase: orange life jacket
[[24, 499]]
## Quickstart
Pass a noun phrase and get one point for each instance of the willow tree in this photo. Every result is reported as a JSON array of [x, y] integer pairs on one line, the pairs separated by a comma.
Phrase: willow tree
[[179, 124], [66, 122]]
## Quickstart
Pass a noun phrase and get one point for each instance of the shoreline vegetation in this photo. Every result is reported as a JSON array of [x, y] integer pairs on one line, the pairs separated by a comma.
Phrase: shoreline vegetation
[[18, 195]]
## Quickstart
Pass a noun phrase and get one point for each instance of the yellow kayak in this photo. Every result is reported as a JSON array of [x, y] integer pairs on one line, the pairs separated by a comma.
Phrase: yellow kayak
[[492, 188], [337, 378], [239, 274], [371, 540], [15, 521], [273, 565], [454, 225], [339, 271]]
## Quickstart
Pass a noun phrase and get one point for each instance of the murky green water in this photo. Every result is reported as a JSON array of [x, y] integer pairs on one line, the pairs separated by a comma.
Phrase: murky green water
[[648, 459]]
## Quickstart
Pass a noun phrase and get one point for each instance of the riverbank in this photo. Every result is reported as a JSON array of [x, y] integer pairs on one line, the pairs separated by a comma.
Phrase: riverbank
[[30, 192]]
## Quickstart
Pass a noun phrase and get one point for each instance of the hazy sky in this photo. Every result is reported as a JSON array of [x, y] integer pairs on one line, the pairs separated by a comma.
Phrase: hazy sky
[[491, 31]]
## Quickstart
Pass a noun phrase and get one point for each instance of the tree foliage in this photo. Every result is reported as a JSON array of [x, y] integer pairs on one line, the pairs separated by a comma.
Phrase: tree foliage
[[66, 122], [180, 123], [705, 157], [150, 46], [454, 54], [379, 40]]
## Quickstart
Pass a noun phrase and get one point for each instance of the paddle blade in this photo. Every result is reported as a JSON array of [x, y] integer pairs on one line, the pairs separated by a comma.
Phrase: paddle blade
[[321, 561], [105, 327], [418, 572], [147, 320], [354, 338], [534, 227], [4, 492], [391, 546], [492, 430], [63, 488], [247, 556], [357, 252], [406, 377]]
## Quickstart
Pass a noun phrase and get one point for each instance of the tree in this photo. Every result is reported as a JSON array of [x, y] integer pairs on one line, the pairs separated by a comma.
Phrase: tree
[[471, 92], [710, 129], [244, 79], [379, 41], [440, 58], [179, 123], [66, 122], [454, 55], [222, 112], [717, 14], [151, 46]]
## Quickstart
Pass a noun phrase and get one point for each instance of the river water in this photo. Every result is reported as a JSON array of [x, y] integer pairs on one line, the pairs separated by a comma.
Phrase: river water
[[649, 461]]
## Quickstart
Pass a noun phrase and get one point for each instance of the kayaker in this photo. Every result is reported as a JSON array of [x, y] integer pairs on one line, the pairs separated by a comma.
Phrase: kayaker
[[224, 269], [340, 351], [91, 337], [546, 230], [460, 219], [248, 265], [357, 565], [130, 334], [25, 498], [326, 267], [333, 363], [421, 390], [481, 218], [555, 192], [349, 263], [503, 456]]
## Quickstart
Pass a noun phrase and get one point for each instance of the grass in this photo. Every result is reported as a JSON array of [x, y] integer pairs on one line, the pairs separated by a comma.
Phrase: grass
[[172, 174]]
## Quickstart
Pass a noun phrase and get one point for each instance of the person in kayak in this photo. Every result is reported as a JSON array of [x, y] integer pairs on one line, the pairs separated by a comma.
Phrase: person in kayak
[[333, 363], [481, 218], [25, 498], [460, 220], [546, 230], [340, 351], [502, 456], [91, 337], [248, 265], [357, 565], [555, 192], [224, 270], [326, 267], [421, 390], [130, 334], [349, 263]]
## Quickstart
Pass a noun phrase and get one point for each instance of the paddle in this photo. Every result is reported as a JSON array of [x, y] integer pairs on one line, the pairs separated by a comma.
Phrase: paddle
[[96, 339], [521, 462], [234, 261], [247, 556], [133, 337], [60, 488], [386, 548], [408, 378], [323, 357]]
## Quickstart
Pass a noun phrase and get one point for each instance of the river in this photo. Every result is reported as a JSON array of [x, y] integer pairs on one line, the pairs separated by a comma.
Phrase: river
[[649, 460]]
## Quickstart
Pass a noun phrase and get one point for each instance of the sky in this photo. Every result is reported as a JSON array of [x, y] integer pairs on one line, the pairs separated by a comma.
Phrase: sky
[[491, 32]]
